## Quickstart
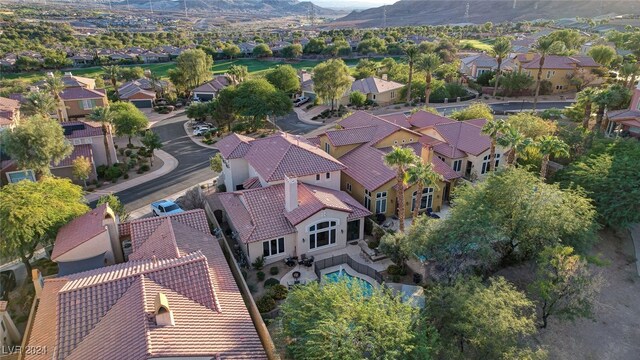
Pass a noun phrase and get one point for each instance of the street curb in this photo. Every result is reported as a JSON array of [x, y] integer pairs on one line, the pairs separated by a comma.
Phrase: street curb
[[306, 121], [195, 139], [169, 164]]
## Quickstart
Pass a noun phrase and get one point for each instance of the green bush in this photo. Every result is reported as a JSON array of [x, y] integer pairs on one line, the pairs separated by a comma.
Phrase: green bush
[[128, 152], [274, 270], [373, 244], [121, 151], [113, 173], [101, 171], [130, 146], [271, 282], [126, 176], [239, 127], [266, 304], [131, 164], [252, 288], [260, 275], [258, 263], [278, 292], [485, 78], [378, 233], [396, 270], [143, 168]]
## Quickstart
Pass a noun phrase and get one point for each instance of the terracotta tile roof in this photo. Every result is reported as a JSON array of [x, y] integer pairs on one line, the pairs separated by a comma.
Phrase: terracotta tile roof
[[79, 93], [44, 332], [251, 183], [556, 62], [480, 60], [477, 122], [274, 156], [132, 88], [443, 169], [464, 136], [124, 229], [79, 230], [78, 150], [398, 119], [356, 135], [260, 214], [423, 119], [141, 229], [218, 83], [314, 140], [625, 114], [384, 128], [365, 165], [161, 243], [80, 129], [233, 146], [8, 107], [375, 85]]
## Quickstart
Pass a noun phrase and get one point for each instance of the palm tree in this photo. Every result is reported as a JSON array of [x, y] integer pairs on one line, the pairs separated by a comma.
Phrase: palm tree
[[428, 63], [629, 72], [501, 49], [550, 146], [423, 175], [411, 53], [493, 128], [158, 84], [237, 73], [612, 98], [515, 141], [39, 103], [113, 72], [399, 159], [543, 47], [55, 85], [587, 96], [105, 117]]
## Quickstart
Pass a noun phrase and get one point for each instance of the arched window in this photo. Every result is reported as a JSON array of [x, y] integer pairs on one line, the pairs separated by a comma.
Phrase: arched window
[[322, 234], [426, 201]]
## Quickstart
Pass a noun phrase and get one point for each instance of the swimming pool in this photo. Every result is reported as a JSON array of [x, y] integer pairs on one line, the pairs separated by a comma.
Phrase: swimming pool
[[340, 275]]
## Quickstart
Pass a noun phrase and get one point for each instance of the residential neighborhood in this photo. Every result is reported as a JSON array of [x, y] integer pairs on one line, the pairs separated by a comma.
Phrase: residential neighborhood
[[312, 182]]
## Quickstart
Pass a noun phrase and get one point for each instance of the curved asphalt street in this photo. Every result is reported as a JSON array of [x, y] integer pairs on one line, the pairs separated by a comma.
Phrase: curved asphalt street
[[192, 169]]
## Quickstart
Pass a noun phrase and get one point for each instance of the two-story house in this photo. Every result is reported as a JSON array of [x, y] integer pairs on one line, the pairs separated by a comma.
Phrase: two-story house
[[79, 96], [361, 144], [627, 121], [9, 113], [478, 64], [558, 69], [459, 144], [284, 197]]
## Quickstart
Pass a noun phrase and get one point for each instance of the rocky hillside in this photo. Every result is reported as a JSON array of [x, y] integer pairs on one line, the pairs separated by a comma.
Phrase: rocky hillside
[[274, 7], [436, 12]]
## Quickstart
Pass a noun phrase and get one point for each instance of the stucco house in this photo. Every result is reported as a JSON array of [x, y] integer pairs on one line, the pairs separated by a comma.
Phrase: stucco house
[[558, 69], [627, 122], [477, 64], [285, 198], [361, 144], [210, 89], [174, 298], [9, 113], [382, 91], [79, 102], [141, 92]]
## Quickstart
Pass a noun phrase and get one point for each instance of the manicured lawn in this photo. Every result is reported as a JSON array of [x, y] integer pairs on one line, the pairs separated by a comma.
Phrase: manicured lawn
[[484, 45], [255, 66]]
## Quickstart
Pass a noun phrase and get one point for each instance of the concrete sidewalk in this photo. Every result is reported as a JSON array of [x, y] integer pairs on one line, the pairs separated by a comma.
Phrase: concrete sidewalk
[[169, 163], [305, 117]]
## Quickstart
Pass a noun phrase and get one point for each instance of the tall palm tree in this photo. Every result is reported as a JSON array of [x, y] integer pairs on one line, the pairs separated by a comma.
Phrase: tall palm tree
[[543, 47], [105, 117], [629, 72], [411, 54], [238, 73], [550, 146], [423, 175], [113, 72], [400, 159], [55, 85], [493, 128], [428, 63], [515, 141], [39, 103], [501, 49], [587, 96]]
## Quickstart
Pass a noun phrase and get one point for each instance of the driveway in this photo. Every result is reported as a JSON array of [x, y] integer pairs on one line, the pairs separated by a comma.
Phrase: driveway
[[192, 169], [292, 125]]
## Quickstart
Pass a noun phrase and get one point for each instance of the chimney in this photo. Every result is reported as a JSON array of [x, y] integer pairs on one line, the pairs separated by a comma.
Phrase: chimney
[[290, 193], [38, 281], [164, 315], [385, 77], [426, 154]]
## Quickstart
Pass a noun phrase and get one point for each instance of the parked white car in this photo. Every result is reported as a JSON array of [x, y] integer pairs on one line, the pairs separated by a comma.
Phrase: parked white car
[[301, 100]]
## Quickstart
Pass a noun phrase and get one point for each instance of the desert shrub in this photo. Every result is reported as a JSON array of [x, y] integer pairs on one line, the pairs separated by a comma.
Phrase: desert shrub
[[125, 176], [130, 146], [258, 263], [485, 78], [113, 173], [545, 87], [278, 292], [274, 270], [266, 304], [396, 270], [131, 164], [101, 170], [260, 275], [121, 151], [239, 127], [143, 168], [271, 282], [128, 152], [252, 288], [378, 233]]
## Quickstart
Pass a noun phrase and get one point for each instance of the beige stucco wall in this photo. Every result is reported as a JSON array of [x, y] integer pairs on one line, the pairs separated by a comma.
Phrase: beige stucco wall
[[559, 77], [236, 173], [254, 250], [401, 137], [386, 98], [99, 244], [323, 215], [75, 110]]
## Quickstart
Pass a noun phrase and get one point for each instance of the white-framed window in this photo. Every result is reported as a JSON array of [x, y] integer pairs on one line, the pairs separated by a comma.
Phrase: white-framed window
[[273, 247], [374, 96], [497, 161], [322, 234], [317, 177], [381, 202], [559, 87], [367, 199], [485, 164], [327, 175], [393, 94], [349, 187], [327, 147], [426, 200], [457, 165], [87, 104], [550, 73], [441, 157]]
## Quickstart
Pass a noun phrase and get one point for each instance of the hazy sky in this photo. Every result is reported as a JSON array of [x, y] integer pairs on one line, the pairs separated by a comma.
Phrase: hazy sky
[[352, 3]]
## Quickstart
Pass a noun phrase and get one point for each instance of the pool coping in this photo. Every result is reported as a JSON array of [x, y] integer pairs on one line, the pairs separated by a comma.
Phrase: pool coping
[[349, 270]]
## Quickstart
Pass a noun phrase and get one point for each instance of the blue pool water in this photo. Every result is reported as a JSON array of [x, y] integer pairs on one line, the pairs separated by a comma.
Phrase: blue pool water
[[340, 275]]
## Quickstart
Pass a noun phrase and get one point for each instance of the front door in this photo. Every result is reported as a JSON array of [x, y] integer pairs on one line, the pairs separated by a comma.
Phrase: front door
[[353, 230]]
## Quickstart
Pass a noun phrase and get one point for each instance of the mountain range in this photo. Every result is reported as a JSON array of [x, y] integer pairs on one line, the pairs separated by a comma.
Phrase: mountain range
[[439, 12], [276, 8]]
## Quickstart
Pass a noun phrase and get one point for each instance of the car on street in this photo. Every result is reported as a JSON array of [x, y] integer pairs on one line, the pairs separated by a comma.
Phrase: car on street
[[200, 131], [301, 100], [7, 284], [165, 207]]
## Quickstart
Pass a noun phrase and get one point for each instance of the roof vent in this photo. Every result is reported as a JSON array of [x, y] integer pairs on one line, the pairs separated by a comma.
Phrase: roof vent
[[164, 315]]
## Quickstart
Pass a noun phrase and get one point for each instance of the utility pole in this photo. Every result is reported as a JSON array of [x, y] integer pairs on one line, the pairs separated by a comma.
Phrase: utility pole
[[514, 3], [185, 8], [384, 16], [151, 6], [466, 12], [312, 14]]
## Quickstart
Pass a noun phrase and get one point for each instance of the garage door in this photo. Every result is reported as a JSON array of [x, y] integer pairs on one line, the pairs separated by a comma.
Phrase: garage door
[[143, 104]]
